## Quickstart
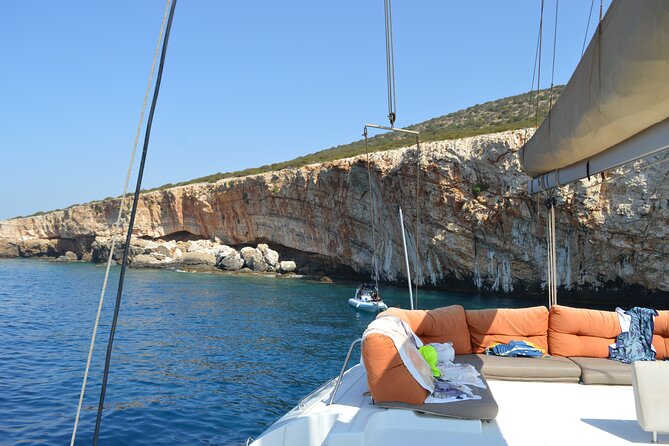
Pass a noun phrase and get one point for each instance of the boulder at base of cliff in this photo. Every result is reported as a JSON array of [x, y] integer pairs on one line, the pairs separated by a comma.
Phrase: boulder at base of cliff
[[287, 266], [231, 262], [69, 256], [206, 246], [145, 261], [197, 258], [257, 262], [163, 249], [271, 258], [247, 252], [223, 251]]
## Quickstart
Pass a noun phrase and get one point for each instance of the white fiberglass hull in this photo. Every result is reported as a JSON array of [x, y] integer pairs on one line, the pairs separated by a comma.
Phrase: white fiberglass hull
[[371, 307], [530, 413]]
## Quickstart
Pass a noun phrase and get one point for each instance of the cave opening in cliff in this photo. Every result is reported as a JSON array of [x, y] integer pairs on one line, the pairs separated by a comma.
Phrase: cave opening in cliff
[[182, 236]]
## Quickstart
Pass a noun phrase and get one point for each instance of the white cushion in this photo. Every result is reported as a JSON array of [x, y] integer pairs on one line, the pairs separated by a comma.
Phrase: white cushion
[[651, 395]]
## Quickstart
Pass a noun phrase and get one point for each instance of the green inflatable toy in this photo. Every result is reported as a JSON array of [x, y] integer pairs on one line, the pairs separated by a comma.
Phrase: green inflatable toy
[[430, 354]]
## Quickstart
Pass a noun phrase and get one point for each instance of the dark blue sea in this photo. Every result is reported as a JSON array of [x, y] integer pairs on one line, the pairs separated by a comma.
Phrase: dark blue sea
[[198, 358]]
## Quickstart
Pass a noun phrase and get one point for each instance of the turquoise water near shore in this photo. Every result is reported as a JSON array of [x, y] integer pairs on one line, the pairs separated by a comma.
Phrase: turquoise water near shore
[[198, 358]]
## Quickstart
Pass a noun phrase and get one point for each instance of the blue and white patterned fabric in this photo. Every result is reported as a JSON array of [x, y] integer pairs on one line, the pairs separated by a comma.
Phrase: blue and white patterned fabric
[[636, 344]]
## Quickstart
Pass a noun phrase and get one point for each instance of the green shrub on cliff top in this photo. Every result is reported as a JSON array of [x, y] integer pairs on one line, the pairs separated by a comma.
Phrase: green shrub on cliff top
[[511, 113]]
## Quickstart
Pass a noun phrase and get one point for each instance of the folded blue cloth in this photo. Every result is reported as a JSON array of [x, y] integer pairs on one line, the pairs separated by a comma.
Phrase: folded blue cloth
[[515, 348]]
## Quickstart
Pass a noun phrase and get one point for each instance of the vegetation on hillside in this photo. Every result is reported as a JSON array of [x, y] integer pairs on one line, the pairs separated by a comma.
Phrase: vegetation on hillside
[[511, 113]]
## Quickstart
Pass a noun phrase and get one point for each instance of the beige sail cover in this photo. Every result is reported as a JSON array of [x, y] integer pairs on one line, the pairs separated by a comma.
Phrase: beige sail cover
[[620, 87]]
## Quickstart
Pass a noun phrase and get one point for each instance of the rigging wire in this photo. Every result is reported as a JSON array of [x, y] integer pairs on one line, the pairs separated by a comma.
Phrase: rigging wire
[[534, 74], [371, 206], [117, 225], [147, 135], [587, 27], [541, 26], [550, 94], [390, 62], [418, 271]]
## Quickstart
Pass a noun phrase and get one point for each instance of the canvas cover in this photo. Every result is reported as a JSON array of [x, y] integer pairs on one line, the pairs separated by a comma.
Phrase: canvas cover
[[618, 89]]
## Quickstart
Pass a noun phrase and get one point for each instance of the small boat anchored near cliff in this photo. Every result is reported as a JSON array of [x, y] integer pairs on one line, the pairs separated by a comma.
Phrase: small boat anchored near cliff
[[367, 298]]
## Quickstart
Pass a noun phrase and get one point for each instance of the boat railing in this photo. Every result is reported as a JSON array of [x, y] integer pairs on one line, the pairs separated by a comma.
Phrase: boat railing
[[343, 369], [304, 400]]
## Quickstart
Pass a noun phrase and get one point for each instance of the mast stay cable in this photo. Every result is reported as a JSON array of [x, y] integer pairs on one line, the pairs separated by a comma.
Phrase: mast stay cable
[[390, 62], [117, 224], [587, 27], [119, 294], [418, 272], [392, 116], [371, 207], [541, 27], [550, 94]]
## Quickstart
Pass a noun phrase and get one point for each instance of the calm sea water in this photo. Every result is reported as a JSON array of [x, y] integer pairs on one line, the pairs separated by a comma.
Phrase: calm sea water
[[198, 358]]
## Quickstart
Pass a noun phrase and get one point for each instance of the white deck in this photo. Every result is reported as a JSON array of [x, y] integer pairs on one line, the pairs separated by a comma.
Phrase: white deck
[[530, 413]]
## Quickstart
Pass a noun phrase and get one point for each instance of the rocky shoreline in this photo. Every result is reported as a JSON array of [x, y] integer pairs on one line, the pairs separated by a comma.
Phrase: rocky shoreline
[[480, 231], [195, 255]]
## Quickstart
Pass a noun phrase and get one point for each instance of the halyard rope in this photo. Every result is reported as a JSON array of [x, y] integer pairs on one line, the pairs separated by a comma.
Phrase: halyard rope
[[390, 62], [133, 213], [116, 226]]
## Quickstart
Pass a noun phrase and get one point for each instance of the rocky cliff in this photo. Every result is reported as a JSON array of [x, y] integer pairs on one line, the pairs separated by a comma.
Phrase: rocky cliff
[[477, 227]]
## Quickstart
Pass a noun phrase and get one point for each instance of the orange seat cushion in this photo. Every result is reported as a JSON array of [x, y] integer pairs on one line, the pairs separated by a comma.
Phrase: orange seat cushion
[[508, 324], [581, 332], [661, 334], [446, 324], [387, 377]]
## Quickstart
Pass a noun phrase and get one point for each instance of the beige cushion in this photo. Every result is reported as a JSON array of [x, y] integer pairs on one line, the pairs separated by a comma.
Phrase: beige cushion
[[548, 368], [651, 395], [603, 371], [483, 409]]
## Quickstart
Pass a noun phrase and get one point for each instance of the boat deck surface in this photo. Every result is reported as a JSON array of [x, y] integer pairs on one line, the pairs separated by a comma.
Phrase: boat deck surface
[[530, 413]]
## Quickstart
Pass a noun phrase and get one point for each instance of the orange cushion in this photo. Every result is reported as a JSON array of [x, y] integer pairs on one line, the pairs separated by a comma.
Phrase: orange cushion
[[387, 377], [661, 335], [581, 332], [508, 324], [446, 324]]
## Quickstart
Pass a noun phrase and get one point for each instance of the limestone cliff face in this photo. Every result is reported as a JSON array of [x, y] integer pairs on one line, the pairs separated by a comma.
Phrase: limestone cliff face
[[477, 225]]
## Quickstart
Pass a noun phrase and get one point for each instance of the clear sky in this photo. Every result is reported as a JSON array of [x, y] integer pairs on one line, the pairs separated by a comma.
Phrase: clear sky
[[246, 83]]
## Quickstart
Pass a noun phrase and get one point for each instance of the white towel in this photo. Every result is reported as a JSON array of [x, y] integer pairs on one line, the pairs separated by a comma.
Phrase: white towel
[[407, 344]]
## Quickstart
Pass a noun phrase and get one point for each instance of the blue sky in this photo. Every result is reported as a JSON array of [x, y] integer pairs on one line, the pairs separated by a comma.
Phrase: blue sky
[[246, 83]]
